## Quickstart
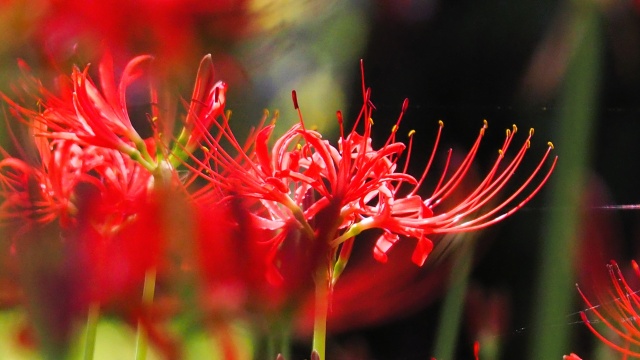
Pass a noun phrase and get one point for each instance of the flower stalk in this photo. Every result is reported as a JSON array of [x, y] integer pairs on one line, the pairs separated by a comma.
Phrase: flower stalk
[[322, 294], [147, 299], [93, 316]]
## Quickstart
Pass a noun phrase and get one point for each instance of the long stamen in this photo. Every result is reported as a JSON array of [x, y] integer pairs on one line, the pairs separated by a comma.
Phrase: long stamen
[[433, 153], [294, 97], [469, 227], [396, 126], [456, 178]]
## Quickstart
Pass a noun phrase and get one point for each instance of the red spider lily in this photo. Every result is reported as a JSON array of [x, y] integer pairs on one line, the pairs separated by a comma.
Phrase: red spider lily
[[48, 192], [86, 139], [57, 190], [96, 194], [302, 175], [42, 193], [618, 311], [82, 114], [89, 115]]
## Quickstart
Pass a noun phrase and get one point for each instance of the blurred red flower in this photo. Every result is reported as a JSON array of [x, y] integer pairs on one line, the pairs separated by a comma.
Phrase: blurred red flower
[[241, 269], [614, 317], [177, 31]]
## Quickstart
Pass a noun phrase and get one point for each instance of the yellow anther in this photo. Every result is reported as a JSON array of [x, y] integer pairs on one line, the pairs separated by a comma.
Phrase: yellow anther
[[411, 133], [485, 123], [394, 129], [440, 123], [551, 145], [371, 121], [227, 114], [298, 146], [515, 128], [508, 132], [528, 144], [204, 148], [154, 119], [531, 132], [501, 153]]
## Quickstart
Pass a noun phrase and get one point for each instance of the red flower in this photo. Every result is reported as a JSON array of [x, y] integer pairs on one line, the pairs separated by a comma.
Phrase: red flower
[[302, 175], [42, 193], [94, 173], [617, 310], [48, 192], [99, 116], [176, 30]]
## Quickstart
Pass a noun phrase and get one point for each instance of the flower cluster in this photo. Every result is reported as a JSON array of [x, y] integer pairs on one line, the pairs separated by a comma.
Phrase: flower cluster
[[286, 210], [352, 187]]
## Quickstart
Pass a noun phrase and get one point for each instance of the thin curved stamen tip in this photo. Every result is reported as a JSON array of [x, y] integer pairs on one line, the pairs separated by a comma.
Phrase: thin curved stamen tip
[[515, 128], [294, 97], [405, 105], [440, 123], [394, 129], [531, 131], [551, 145], [485, 126], [410, 134]]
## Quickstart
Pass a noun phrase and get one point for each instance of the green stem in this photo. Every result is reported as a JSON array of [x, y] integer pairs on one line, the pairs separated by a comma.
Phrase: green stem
[[147, 299], [577, 112], [321, 311], [91, 330], [285, 342], [449, 323]]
